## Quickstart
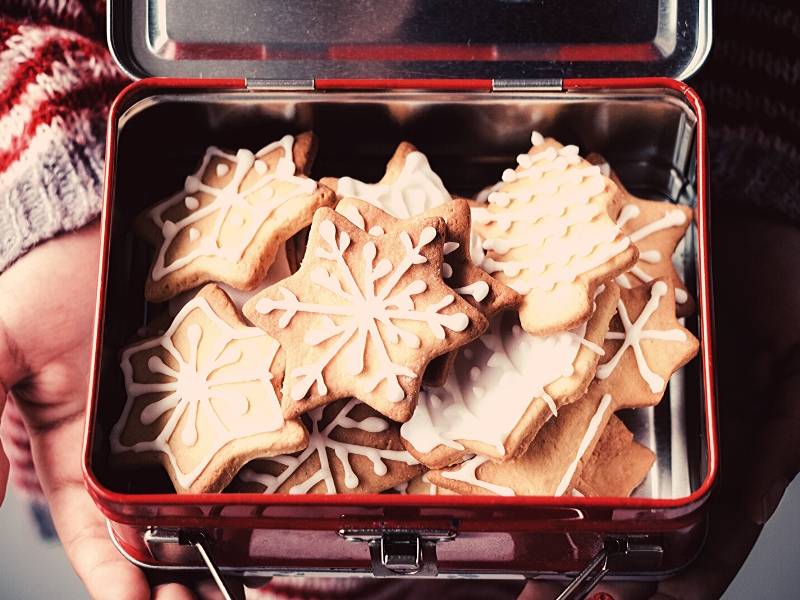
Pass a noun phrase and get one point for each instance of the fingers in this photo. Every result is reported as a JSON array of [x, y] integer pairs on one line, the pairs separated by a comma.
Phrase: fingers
[[81, 527], [172, 591], [540, 590], [775, 453], [731, 536]]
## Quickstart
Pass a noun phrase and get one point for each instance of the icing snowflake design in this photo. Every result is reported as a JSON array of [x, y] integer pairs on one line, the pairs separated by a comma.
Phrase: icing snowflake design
[[673, 217], [247, 209], [320, 442], [552, 230], [363, 302], [635, 333], [193, 387], [478, 289]]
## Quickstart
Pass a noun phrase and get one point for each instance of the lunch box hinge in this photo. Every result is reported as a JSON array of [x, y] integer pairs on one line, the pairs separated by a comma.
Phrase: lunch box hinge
[[186, 537], [278, 85], [527, 85], [401, 551], [633, 553]]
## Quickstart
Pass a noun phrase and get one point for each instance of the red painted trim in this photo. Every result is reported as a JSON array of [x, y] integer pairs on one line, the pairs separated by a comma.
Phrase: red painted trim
[[110, 502], [414, 52], [481, 85]]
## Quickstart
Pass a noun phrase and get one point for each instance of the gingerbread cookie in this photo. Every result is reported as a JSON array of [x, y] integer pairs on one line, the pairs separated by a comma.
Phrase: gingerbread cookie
[[476, 286], [504, 387], [201, 398], [548, 235], [551, 463], [644, 346], [656, 228], [617, 466], [231, 217], [421, 485], [364, 316], [408, 189], [351, 449]]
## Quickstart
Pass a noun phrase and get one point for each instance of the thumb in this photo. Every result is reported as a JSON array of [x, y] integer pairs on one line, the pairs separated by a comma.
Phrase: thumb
[[11, 371], [5, 466], [776, 446]]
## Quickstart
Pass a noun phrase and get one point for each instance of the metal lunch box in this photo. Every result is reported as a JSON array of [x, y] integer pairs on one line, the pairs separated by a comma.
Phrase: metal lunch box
[[467, 89]]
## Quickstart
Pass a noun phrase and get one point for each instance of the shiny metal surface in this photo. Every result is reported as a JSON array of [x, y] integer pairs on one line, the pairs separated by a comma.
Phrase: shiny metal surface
[[647, 136], [485, 39]]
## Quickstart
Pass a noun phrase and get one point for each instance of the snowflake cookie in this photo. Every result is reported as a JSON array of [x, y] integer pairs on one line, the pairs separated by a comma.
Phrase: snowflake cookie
[[474, 284], [201, 398], [644, 346], [351, 449], [231, 216], [547, 234], [504, 387], [364, 316]]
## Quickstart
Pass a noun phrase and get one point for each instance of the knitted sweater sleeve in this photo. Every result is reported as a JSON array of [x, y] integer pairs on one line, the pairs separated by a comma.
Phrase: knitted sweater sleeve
[[56, 83]]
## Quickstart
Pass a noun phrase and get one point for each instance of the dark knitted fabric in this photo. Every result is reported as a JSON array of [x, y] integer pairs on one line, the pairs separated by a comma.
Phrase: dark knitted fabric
[[751, 88]]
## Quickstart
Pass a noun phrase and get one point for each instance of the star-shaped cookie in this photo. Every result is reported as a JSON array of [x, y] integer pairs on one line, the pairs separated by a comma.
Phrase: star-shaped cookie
[[351, 449], [476, 286], [409, 188], [644, 346], [551, 464], [504, 387], [201, 398], [231, 217], [364, 315], [656, 228], [548, 235]]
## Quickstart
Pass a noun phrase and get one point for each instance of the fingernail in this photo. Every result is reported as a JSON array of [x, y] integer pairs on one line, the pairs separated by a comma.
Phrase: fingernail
[[771, 499], [601, 596]]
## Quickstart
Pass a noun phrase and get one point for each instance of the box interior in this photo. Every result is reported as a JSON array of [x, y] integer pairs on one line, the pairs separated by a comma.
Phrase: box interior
[[646, 135]]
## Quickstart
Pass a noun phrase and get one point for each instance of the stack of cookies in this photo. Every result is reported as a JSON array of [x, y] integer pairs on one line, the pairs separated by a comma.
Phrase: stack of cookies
[[342, 336]]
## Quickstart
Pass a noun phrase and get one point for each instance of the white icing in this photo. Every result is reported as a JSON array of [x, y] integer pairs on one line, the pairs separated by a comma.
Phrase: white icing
[[467, 472], [320, 441], [635, 334], [491, 385], [193, 234], [550, 230], [416, 189], [346, 322], [351, 189], [228, 205], [222, 169], [673, 217], [537, 139], [192, 388], [588, 436]]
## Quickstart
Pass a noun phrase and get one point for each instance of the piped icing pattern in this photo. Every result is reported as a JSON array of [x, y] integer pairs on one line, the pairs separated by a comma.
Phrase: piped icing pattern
[[590, 434], [548, 223], [230, 206], [467, 472], [673, 217], [493, 382], [320, 442], [415, 189], [635, 333], [366, 306], [222, 380]]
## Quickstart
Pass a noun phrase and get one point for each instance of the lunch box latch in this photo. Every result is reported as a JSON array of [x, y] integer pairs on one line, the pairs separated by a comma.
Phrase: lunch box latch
[[399, 552]]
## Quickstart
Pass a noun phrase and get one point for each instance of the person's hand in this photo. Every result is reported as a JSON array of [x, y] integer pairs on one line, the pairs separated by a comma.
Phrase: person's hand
[[756, 269], [47, 301]]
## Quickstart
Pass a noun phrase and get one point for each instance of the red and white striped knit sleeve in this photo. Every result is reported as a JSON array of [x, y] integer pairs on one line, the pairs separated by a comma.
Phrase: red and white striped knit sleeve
[[56, 82]]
